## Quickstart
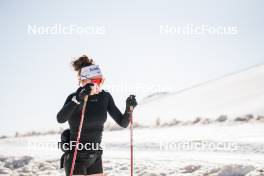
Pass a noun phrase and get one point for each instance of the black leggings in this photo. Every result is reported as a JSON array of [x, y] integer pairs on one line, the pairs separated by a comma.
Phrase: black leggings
[[85, 164]]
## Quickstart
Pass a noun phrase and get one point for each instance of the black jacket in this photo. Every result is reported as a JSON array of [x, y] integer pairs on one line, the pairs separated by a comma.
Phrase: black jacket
[[95, 116]]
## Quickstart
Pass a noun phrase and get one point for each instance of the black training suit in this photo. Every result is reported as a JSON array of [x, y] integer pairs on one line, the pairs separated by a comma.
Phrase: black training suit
[[95, 116]]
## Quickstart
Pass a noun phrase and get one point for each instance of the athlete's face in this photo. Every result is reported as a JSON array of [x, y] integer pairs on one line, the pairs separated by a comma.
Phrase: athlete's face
[[96, 80]]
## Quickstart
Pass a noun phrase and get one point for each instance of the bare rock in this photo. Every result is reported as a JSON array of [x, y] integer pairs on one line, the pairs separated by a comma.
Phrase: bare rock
[[260, 118], [197, 120], [246, 118], [15, 163], [190, 168], [221, 118]]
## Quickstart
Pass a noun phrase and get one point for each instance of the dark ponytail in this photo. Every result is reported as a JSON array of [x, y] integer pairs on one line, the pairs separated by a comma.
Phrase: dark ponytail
[[81, 62]]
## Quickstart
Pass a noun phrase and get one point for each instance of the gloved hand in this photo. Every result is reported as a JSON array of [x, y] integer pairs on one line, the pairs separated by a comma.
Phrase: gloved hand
[[82, 91], [131, 101]]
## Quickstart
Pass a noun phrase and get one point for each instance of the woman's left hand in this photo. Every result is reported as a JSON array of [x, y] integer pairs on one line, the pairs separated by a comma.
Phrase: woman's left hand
[[131, 101]]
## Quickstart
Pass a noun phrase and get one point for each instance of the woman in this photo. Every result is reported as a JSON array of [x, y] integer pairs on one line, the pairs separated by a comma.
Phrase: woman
[[89, 161]]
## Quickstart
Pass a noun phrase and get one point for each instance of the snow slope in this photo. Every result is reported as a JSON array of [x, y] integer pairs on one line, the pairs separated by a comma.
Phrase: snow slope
[[233, 95]]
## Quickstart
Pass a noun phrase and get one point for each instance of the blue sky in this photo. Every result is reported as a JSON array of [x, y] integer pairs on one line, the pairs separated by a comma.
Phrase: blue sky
[[35, 70]]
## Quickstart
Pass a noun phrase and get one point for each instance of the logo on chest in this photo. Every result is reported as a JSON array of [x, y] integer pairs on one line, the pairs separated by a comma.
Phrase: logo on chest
[[93, 100]]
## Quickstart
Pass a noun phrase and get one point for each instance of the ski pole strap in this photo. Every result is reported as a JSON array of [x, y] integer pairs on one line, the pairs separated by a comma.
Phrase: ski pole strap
[[79, 135]]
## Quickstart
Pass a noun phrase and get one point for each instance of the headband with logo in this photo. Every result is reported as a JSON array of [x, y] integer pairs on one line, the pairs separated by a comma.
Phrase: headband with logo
[[90, 71]]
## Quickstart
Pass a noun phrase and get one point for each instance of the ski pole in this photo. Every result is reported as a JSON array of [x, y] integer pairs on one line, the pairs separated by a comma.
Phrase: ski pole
[[131, 141], [79, 135]]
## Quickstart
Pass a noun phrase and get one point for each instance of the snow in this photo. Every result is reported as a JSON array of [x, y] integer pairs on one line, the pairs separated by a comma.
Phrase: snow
[[246, 159]]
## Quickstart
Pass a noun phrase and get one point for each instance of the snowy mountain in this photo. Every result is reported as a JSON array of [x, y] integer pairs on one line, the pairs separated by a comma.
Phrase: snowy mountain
[[234, 95]]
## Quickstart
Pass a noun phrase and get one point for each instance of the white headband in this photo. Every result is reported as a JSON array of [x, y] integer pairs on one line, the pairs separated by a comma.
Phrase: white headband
[[90, 71]]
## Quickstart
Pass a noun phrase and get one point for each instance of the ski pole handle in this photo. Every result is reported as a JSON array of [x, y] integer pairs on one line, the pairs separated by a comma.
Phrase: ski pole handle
[[131, 107]]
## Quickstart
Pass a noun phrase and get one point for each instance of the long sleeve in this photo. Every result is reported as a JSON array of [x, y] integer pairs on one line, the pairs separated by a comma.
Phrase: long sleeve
[[67, 110], [121, 119]]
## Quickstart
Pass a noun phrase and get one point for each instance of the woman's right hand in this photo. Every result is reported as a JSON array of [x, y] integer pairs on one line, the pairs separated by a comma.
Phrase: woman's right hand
[[82, 91]]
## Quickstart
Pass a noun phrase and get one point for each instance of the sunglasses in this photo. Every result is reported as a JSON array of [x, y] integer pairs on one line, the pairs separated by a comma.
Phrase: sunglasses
[[97, 80]]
